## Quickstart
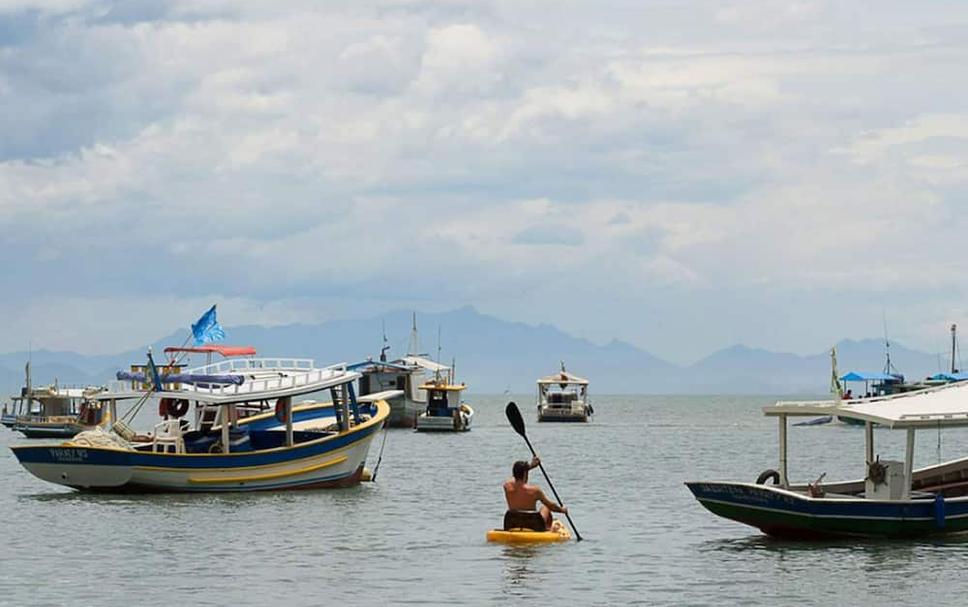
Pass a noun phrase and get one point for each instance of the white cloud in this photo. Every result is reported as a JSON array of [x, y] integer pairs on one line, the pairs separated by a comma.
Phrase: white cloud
[[323, 153]]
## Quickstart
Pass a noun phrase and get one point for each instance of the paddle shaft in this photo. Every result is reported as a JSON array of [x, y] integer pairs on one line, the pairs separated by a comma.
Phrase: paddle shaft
[[553, 491]]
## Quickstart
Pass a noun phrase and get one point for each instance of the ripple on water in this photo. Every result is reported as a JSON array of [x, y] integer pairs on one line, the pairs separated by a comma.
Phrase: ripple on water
[[417, 535]]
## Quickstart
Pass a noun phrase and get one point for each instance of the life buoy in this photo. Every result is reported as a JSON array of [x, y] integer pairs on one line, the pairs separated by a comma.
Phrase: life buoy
[[281, 409], [171, 407], [768, 474]]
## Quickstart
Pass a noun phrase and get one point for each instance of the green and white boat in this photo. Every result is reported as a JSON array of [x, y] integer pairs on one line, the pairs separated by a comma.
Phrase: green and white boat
[[893, 500]]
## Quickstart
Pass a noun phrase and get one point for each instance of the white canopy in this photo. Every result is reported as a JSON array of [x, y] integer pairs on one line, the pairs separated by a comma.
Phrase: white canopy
[[945, 405], [424, 363], [563, 377]]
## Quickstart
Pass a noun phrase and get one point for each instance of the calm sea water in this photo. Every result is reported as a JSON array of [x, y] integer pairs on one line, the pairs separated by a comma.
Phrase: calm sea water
[[417, 534]]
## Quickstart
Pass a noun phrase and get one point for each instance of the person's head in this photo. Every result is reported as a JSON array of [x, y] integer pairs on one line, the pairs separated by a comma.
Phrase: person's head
[[520, 470]]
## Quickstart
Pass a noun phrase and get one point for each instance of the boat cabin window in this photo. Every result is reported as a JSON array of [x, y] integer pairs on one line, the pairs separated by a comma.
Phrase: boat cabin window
[[364, 385], [437, 399]]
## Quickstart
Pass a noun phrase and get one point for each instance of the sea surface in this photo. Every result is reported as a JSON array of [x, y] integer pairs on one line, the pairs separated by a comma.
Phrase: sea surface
[[416, 535]]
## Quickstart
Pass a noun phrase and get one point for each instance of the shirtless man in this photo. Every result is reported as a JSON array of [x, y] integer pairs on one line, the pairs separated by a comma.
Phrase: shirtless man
[[522, 496]]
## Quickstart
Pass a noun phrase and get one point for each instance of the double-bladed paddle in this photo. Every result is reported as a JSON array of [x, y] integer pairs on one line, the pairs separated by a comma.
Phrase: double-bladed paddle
[[517, 422]]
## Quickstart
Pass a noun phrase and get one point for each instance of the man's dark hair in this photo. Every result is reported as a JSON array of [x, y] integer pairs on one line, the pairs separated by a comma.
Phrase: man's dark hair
[[520, 468]]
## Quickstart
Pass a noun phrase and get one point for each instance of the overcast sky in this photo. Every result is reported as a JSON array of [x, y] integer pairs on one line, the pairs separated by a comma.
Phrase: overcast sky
[[680, 175]]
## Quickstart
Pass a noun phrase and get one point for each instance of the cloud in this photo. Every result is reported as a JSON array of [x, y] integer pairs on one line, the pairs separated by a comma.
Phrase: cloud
[[748, 156]]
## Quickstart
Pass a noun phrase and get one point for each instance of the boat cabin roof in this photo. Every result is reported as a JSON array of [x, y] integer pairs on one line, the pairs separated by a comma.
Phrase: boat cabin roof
[[423, 363], [443, 387], [226, 351], [262, 379], [376, 366], [563, 377], [871, 376], [941, 406]]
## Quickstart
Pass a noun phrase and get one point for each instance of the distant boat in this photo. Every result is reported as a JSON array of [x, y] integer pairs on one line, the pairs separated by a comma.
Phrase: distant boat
[[405, 374], [889, 382], [53, 411], [445, 411], [563, 397], [269, 448]]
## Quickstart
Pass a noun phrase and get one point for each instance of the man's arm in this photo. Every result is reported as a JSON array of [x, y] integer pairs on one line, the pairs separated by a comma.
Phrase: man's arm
[[550, 504]]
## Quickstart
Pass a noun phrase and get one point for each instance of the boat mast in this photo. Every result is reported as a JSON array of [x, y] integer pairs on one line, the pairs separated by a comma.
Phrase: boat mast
[[413, 348], [386, 346], [954, 347], [835, 387], [888, 366]]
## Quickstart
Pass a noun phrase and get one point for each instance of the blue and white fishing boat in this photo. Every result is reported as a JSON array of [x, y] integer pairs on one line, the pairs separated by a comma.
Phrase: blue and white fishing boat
[[894, 499], [222, 452]]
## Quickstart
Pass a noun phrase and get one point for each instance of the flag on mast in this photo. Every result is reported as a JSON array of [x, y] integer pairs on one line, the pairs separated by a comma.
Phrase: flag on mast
[[207, 330]]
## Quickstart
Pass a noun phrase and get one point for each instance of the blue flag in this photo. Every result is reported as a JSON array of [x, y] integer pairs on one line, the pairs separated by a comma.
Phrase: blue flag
[[207, 330], [153, 372]]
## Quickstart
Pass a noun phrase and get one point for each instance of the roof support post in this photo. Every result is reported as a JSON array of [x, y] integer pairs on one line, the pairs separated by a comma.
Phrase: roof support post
[[226, 422], [784, 481], [354, 406], [908, 464], [868, 443], [287, 407]]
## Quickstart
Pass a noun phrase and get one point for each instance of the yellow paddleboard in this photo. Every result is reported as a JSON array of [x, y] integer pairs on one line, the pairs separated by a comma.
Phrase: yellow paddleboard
[[527, 536]]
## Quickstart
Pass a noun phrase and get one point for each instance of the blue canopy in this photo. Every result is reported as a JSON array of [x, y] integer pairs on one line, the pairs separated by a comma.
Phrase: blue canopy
[[869, 376], [183, 378], [949, 376]]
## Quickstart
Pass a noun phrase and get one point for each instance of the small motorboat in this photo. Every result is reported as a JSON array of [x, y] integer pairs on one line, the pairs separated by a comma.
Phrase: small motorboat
[[563, 397], [445, 411]]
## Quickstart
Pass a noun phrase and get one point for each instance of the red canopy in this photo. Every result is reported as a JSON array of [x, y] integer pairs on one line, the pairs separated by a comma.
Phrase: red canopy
[[225, 351]]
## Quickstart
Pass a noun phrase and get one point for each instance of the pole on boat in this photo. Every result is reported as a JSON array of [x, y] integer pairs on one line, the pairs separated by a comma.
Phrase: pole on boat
[[517, 422], [868, 442], [287, 408], [909, 463], [784, 482]]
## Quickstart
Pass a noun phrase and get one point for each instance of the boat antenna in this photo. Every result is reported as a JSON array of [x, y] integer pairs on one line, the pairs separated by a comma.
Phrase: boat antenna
[[413, 348], [888, 366], [386, 346], [438, 352], [954, 347]]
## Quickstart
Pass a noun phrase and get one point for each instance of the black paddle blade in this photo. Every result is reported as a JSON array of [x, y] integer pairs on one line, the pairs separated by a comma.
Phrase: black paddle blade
[[514, 416]]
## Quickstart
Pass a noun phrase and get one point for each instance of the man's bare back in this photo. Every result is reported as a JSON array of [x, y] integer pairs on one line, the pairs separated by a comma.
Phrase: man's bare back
[[522, 496]]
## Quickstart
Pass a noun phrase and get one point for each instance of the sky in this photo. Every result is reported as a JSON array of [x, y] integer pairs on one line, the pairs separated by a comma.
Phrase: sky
[[680, 175]]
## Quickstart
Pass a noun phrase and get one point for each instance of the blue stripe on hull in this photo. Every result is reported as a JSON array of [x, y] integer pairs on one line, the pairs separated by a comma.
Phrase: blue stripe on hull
[[48, 454], [761, 496]]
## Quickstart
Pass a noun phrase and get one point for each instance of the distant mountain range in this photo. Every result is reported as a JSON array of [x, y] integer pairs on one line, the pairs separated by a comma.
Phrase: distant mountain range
[[493, 355]]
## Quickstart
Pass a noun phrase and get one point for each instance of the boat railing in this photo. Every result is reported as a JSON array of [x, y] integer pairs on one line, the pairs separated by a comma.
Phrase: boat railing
[[242, 365], [260, 375]]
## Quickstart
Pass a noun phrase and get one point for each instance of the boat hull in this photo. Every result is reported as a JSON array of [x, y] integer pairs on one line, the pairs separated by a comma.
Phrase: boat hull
[[404, 412], [778, 512], [550, 413], [334, 461], [42, 430], [446, 423]]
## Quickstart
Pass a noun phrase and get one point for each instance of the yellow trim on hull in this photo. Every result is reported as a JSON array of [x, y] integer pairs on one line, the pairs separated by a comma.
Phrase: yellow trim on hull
[[265, 477]]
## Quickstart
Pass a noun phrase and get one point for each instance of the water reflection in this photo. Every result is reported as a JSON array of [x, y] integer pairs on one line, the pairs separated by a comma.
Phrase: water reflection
[[519, 568]]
